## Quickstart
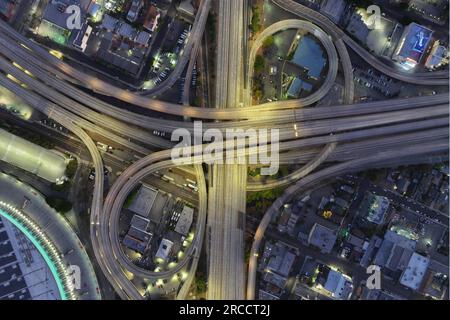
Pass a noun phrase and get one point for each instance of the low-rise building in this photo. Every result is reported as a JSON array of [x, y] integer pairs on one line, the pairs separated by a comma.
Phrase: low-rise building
[[143, 39], [374, 208], [297, 87], [431, 10], [435, 283], [164, 250], [439, 56], [322, 237], [414, 273], [152, 18], [185, 221], [339, 285], [82, 37], [412, 45], [137, 240], [275, 279], [333, 9], [358, 28], [395, 251], [135, 9], [144, 201], [140, 222], [109, 23]]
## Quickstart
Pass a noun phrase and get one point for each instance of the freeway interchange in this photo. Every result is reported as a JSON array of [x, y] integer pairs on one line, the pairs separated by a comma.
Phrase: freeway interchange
[[350, 137]]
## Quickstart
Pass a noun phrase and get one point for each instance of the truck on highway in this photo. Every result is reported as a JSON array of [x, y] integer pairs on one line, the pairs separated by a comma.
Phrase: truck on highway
[[167, 178], [103, 147]]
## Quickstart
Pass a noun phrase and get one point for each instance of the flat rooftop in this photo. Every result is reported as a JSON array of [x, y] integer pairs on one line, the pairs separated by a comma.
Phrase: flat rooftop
[[144, 201]]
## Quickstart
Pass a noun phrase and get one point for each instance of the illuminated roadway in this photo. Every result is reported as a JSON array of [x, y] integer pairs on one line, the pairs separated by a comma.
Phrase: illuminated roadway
[[189, 52], [395, 157], [205, 5], [397, 116], [332, 57], [426, 78], [387, 118], [108, 89], [144, 167], [314, 156], [272, 118], [318, 160], [239, 113], [227, 200], [107, 246]]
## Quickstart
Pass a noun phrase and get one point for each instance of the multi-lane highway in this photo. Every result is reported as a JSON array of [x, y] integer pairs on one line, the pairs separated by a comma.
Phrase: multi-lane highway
[[272, 119], [311, 136], [403, 110], [425, 78], [189, 52], [379, 159], [332, 56], [227, 201]]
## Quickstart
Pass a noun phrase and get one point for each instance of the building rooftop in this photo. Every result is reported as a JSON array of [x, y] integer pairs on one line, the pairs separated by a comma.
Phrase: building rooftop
[[82, 37], [126, 30], [375, 208], [109, 23], [413, 44], [414, 273], [286, 264], [140, 235], [275, 279], [152, 18], [395, 251], [164, 249], [135, 8], [297, 86], [438, 56], [143, 38], [144, 201], [140, 222], [135, 244], [322, 238], [55, 13], [358, 28], [333, 9], [185, 221], [339, 285], [187, 8]]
